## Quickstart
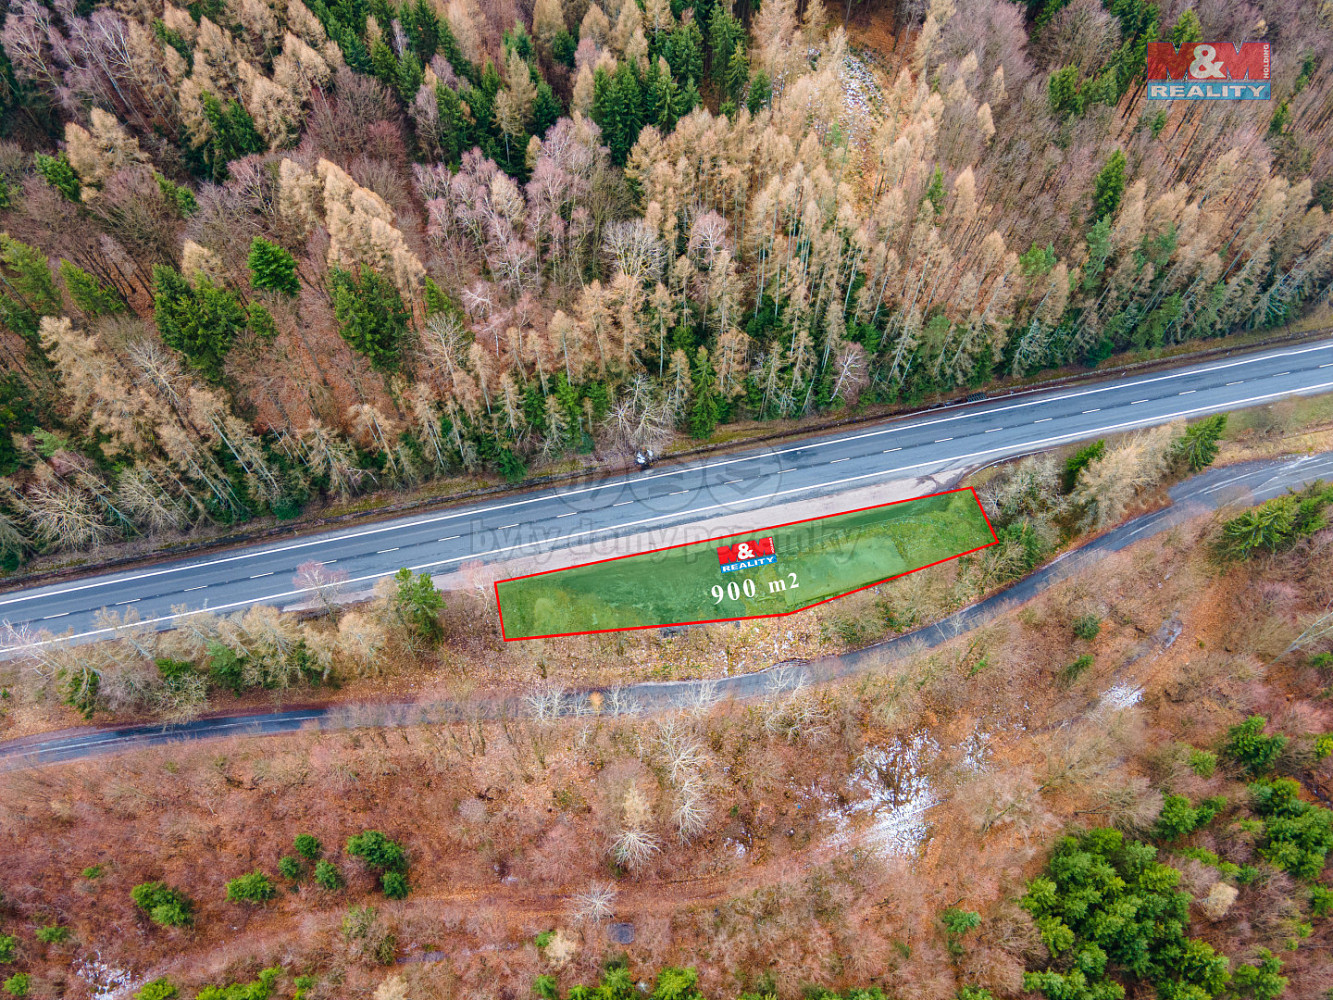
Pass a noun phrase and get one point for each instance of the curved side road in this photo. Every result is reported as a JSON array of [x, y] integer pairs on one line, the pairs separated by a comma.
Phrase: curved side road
[[1250, 482]]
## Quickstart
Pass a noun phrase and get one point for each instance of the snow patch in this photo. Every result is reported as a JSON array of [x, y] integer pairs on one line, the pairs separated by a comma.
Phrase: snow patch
[[891, 787], [1122, 696], [105, 981]]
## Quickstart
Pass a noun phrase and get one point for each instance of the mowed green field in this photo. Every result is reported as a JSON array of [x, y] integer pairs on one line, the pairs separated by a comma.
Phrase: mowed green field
[[815, 561]]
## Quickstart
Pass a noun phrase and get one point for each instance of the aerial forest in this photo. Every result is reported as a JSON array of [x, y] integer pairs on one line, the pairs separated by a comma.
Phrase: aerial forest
[[257, 257]]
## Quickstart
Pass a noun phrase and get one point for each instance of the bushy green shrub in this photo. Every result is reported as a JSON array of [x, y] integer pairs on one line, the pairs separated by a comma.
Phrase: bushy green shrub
[[377, 851], [1086, 627], [395, 885], [308, 846], [1075, 670], [289, 867], [1321, 901], [94, 872], [327, 875], [1262, 981], [18, 984], [252, 887], [1107, 903], [1248, 746], [1203, 762], [156, 989], [9, 948], [260, 989], [1179, 819], [53, 934], [1297, 835], [164, 906]]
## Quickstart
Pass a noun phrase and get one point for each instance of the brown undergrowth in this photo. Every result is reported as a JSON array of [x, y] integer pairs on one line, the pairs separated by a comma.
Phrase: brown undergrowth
[[825, 829]]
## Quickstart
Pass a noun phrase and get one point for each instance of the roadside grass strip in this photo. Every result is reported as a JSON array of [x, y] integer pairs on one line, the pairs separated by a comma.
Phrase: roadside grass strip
[[764, 573]]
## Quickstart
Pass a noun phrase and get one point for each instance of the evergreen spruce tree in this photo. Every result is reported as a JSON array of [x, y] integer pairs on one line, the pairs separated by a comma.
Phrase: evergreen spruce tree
[[1109, 187], [453, 124], [200, 321], [761, 92], [738, 71], [89, 294], [370, 314], [272, 268], [706, 408], [233, 136]]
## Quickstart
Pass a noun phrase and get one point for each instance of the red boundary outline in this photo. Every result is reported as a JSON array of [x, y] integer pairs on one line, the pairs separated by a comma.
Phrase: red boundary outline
[[995, 540]]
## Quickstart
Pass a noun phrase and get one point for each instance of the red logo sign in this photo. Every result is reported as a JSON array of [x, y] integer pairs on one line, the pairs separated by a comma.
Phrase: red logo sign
[[744, 551], [1208, 61]]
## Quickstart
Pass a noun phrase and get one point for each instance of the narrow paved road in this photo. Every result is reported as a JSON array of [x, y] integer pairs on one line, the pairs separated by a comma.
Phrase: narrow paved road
[[1249, 482], [944, 440]]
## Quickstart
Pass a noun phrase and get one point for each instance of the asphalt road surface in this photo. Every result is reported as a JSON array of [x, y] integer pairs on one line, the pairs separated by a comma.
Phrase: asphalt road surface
[[948, 439], [1248, 482]]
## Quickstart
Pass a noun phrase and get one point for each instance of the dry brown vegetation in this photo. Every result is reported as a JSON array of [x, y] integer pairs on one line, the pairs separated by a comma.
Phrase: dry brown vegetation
[[804, 860]]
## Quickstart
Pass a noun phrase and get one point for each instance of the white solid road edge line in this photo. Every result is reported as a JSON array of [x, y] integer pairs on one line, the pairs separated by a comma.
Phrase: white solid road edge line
[[1019, 450], [536, 498]]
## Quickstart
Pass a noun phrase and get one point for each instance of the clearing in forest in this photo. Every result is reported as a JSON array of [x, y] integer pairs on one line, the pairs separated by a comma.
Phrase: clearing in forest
[[762, 573]]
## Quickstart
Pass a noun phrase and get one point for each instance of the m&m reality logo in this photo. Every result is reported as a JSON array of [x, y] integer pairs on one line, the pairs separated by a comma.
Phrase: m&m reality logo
[[1208, 71], [744, 555]]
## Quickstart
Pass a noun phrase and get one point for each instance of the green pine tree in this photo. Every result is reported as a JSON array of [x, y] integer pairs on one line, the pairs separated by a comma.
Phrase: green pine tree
[[89, 294], [200, 321], [27, 290], [1109, 187], [706, 408], [233, 135], [453, 124], [370, 314], [58, 173], [272, 268], [738, 71], [761, 92], [1187, 29]]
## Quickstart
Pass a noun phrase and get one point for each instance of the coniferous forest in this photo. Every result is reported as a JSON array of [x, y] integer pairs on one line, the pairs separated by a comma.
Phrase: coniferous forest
[[257, 256]]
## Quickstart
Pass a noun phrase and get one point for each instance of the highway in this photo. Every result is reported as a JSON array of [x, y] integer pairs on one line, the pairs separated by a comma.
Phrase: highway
[[940, 441], [1248, 482]]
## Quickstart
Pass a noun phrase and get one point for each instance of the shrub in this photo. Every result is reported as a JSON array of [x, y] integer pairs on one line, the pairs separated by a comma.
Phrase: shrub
[[1087, 626], [253, 887], [157, 989], [1321, 901], [1076, 669], [9, 948], [1263, 981], [1248, 747], [395, 885], [94, 872], [164, 906], [1297, 835], [366, 937], [545, 986], [377, 851], [17, 985], [260, 989], [1179, 819], [289, 867], [1104, 902], [327, 876], [308, 847], [1203, 762], [1079, 461], [1276, 524], [957, 923], [53, 934], [1198, 446]]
